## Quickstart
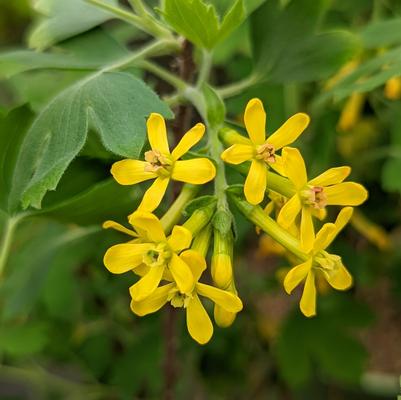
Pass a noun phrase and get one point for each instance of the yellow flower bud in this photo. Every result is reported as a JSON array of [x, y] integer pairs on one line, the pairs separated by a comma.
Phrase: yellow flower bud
[[351, 112], [222, 317], [222, 271], [392, 89]]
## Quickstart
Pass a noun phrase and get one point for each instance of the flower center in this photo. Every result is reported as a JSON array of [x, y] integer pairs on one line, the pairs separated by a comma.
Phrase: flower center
[[158, 162], [159, 255], [314, 196], [266, 152], [178, 299]]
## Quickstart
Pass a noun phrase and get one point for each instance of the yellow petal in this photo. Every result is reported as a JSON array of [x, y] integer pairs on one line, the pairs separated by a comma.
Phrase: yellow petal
[[148, 224], [255, 183], [180, 238], [308, 300], [289, 211], [255, 121], [147, 284], [324, 237], [157, 133], [181, 273], [193, 136], [289, 131], [319, 213], [342, 219], [124, 257], [154, 195], [152, 303], [294, 167], [307, 230], [339, 278], [196, 171], [198, 322], [130, 172], [331, 176], [346, 194], [237, 154], [296, 275], [227, 300], [119, 227], [278, 165], [223, 318], [195, 262]]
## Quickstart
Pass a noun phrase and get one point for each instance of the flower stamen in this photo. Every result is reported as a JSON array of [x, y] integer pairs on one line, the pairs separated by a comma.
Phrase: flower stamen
[[314, 196], [266, 152], [157, 162]]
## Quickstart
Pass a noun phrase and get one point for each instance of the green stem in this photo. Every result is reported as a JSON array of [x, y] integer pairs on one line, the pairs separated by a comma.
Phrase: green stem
[[155, 48], [174, 213], [237, 87], [139, 7], [205, 67], [146, 24], [162, 73], [6, 241]]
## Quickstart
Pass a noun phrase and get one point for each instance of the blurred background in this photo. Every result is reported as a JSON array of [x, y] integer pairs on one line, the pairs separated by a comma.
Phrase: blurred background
[[66, 330]]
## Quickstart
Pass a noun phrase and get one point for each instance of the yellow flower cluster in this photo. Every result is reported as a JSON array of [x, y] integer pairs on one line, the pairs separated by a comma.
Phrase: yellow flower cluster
[[169, 267], [169, 259], [309, 198]]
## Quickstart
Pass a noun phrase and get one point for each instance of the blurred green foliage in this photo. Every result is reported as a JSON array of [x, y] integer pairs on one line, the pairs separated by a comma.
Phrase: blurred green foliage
[[66, 330]]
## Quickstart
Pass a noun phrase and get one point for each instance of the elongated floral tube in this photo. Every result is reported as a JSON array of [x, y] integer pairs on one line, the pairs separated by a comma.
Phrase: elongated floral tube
[[200, 218], [221, 267], [258, 216]]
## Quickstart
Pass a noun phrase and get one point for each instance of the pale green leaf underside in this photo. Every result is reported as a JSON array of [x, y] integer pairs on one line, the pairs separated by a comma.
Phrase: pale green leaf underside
[[114, 104], [64, 19]]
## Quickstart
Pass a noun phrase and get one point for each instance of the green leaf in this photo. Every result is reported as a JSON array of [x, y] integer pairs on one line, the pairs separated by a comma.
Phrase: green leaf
[[391, 181], [22, 340], [199, 23], [64, 19], [381, 33], [367, 76], [90, 50], [13, 129], [286, 47], [117, 202], [215, 108], [114, 104], [315, 58]]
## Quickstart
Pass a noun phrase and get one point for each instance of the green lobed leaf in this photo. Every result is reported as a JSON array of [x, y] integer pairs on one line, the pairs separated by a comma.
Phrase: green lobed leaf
[[198, 21], [115, 104], [13, 128], [64, 19]]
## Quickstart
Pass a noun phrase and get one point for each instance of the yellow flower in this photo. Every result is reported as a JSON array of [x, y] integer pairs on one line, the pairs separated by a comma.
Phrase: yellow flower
[[199, 324], [320, 262], [162, 165], [262, 151], [351, 112], [392, 89], [152, 255], [311, 195]]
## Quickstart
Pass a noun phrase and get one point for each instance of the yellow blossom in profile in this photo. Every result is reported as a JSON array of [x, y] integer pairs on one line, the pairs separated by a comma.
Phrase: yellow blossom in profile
[[261, 151], [310, 195], [152, 255], [351, 112], [162, 165], [321, 262], [392, 89], [199, 325]]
